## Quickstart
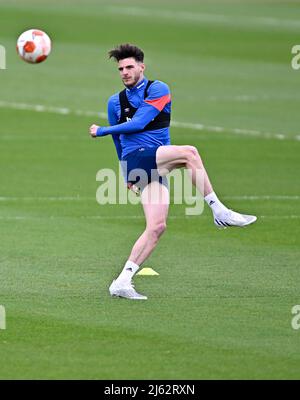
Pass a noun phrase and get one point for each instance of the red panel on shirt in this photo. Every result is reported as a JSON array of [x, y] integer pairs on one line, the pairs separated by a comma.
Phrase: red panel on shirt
[[159, 103]]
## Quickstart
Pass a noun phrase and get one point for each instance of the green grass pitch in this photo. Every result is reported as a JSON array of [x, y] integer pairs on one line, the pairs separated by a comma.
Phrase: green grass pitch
[[221, 306]]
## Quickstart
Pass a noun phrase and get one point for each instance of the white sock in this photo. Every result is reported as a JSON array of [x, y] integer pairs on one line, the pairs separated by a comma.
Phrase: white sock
[[214, 203], [127, 273]]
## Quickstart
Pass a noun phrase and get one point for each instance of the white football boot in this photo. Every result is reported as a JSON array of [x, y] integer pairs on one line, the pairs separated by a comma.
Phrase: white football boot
[[128, 291], [232, 218]]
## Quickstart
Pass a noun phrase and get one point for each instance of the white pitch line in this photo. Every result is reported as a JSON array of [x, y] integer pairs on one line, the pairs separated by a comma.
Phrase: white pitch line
[[263, 197], [200, 18], [107, 217], [51, 109], [67, 198], [79, 198], [254, 98], [175, 124], [186, 216]]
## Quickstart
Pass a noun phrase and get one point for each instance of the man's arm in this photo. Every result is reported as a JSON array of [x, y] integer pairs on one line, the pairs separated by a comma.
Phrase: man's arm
[[116, 139], [145, 114], [113, 120], [159, 96]]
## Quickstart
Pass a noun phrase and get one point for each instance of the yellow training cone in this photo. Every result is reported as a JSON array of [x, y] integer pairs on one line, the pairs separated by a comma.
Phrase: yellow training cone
[[147, 271]]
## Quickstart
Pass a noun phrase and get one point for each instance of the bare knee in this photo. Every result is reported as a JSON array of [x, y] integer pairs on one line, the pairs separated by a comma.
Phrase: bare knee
[[155, 231], [191, 154], [191, 151]]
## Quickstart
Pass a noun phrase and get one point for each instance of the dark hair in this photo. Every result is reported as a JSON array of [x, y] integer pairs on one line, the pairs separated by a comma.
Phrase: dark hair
[[126, 51]]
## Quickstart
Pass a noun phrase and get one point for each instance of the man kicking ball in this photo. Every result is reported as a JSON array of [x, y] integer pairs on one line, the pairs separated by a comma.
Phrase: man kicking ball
[[139, 118]]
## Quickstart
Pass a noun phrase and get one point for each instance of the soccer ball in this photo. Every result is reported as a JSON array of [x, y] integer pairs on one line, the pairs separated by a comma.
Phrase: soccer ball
[[34, 46]]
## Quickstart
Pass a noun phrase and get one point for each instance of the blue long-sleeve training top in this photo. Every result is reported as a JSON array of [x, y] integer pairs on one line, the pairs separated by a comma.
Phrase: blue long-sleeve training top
[[127, 136]]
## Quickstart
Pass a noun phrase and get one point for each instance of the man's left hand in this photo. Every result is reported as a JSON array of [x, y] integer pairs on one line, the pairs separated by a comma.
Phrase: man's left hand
[[93, 130]]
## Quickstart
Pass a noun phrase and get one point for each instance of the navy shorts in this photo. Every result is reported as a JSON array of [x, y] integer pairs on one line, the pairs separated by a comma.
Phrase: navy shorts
[[143, 159]]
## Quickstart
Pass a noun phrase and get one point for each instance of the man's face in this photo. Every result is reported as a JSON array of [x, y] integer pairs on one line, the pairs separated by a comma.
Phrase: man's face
[[131, 71]]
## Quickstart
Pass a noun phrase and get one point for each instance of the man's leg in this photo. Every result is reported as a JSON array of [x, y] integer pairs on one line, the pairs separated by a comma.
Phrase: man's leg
[[171, 157], [155, 201]]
